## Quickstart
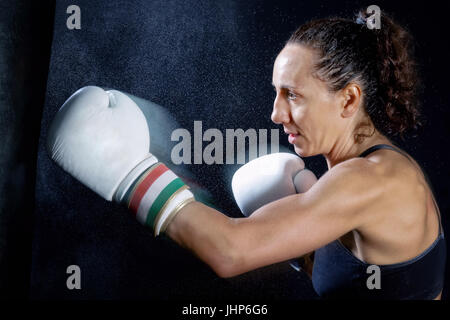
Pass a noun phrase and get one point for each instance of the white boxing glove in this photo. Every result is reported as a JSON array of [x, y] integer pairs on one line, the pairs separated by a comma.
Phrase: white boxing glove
[[102, 139], [269, 178]]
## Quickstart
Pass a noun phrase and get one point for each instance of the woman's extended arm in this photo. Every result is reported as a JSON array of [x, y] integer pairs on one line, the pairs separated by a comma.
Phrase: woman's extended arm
[[283, 229]]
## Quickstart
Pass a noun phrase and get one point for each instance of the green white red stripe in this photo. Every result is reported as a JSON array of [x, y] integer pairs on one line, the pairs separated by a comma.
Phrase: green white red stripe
[[180, 199], [151, 193]]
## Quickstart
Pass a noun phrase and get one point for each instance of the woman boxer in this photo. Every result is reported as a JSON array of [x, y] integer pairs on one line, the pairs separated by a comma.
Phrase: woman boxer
[[341, 90], [371, 219]]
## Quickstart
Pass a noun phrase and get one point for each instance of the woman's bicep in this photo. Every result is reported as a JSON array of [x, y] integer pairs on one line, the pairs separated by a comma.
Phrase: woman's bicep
[[298, 224]]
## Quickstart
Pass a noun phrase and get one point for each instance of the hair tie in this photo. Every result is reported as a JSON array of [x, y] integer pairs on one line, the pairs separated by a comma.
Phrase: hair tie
[[361, 20]]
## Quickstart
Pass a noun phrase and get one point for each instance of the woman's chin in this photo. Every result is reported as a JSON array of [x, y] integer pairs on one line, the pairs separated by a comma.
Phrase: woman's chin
[[303, 151], [300, 151]]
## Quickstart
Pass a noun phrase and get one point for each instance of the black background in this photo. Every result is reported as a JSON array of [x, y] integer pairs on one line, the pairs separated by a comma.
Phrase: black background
[[201, 60]]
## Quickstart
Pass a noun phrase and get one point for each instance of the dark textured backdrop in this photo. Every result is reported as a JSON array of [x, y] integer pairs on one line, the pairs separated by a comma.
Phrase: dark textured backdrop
[[201, 60], [25, 39]]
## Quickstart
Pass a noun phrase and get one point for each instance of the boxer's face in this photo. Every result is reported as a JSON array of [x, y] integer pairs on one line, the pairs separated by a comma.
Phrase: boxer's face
[[303, 104]]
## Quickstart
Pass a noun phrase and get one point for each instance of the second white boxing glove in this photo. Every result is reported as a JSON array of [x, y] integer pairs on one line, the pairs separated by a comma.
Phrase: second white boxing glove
[[269, 178]]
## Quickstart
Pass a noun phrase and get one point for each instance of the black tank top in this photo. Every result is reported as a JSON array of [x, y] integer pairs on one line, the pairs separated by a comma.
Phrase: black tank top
[[338, 274]]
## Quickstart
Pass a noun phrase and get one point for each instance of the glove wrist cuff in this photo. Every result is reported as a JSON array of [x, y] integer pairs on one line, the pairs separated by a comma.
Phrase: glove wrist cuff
[[134, 175], [156, 196]]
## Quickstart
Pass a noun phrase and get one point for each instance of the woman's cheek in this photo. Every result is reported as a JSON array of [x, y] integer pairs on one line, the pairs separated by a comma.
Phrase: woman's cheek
[[299, 116], [303, 120]]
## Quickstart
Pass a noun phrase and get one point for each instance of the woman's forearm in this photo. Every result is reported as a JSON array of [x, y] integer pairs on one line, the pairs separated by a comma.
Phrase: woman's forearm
[[208, 234]]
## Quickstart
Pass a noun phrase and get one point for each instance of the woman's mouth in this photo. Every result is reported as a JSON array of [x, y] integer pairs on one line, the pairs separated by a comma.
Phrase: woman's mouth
[[293, 137]]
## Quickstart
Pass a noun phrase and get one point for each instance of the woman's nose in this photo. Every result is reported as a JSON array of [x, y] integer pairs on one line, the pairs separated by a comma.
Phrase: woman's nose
[[280, 112]]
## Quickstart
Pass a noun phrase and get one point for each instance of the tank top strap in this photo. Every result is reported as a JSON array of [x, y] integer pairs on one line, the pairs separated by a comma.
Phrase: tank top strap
[[386, 146], [378, 147]]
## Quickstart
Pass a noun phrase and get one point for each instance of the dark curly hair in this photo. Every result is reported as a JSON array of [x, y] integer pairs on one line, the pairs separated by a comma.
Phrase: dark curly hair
[[380, 60]]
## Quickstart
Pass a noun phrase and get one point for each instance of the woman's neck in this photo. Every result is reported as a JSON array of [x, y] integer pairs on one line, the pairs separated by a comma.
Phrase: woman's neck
[[343, 152]]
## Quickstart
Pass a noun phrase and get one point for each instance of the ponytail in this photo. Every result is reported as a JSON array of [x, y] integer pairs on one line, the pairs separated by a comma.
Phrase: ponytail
[[398, 79]]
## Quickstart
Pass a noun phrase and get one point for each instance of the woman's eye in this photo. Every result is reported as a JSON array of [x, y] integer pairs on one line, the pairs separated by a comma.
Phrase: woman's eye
[[291, 95]]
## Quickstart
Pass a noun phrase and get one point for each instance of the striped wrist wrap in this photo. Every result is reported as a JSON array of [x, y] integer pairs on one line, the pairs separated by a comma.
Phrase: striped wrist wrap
[[157, 196]]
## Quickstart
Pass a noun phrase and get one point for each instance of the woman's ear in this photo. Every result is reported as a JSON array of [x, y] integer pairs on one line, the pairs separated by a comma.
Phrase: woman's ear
[[351, 98]]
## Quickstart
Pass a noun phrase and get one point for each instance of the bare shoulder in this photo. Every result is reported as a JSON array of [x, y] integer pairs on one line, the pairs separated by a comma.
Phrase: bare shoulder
[[385, 167], [402, 221], [374, 186], [406, 187], [348, 189], [398, 171], [358, 176]]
